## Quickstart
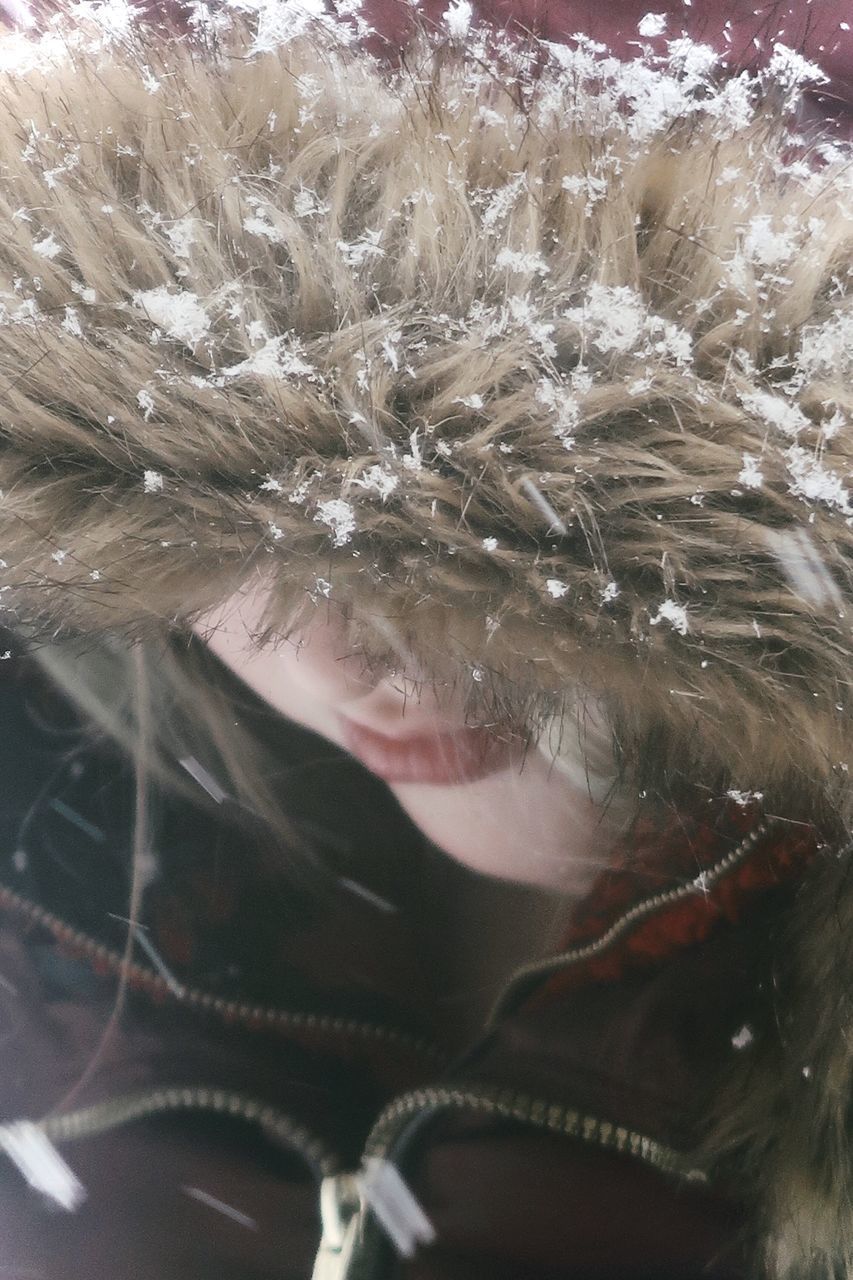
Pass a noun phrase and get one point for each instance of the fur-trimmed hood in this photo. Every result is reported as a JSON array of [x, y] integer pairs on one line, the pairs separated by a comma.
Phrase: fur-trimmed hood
[[544, 356], [554, 369]]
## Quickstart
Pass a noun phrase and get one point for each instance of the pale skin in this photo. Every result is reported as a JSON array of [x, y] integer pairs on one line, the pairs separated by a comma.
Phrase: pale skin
[[528, 823]]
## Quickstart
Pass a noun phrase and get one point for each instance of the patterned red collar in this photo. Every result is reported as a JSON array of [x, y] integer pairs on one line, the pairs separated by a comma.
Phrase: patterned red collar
[[673, 882]]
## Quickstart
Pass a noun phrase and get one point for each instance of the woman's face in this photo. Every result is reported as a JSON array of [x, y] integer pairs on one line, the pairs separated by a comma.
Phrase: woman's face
[[473, 790]]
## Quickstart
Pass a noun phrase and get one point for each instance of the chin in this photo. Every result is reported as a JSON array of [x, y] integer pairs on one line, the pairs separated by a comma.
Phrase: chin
[[495, 828]]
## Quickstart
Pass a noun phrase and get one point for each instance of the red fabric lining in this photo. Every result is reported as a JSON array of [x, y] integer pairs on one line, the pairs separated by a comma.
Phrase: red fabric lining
[[654, 859]]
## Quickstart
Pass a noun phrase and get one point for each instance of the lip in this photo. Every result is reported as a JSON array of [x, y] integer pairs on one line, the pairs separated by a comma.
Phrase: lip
[[437, 759]]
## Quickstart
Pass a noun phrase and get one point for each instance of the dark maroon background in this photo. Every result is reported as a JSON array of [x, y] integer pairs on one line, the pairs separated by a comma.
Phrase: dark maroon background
[[743, 30]]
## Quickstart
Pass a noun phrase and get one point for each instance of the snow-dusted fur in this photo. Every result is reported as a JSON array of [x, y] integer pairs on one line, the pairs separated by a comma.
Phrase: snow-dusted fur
[[544, 358]]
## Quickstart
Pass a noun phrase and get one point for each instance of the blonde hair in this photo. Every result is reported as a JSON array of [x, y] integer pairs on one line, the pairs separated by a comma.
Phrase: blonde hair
[[166, 702], [195, 746]]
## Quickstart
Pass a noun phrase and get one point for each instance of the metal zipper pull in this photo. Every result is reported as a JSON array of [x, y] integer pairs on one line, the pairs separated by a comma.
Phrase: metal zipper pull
[[30, 1149], [395, 1208], [342, 1211]]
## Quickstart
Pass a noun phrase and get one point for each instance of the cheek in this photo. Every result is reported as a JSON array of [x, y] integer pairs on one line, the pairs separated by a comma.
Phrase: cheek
[[319, 664], [306, 682]]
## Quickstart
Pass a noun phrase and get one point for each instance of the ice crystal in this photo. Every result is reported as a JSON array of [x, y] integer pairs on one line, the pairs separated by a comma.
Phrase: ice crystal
[[457, 19], [180, 315], [378, 479], [812, 481], [281, 21], [525, 314], [71, 323], [307, 205], [181, 235], [743, 1039], [300, 493], [673, 613], [340, 518], [767, 246], [149, 80], [675, 344], [522, 262], [653, 24], [145, 400], [260, 224], [153, 482], [751, 475], [49, 247], [743, 798], [357, 252], [594, 188], [610, 316], [827, 347], [792, 71], [88, 295], [502, 200], [413, 461], [555, 588], [775, 411], [278, 358]]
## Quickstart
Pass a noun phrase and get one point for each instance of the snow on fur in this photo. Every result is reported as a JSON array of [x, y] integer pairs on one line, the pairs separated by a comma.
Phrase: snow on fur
[[460, 346]]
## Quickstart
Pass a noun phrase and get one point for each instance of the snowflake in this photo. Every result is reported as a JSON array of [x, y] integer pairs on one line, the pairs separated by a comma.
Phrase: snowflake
[[743, 1038], [653, 24], [457, 19], [751, 476], [744, 798], [378, 479], [47, 248], [180, 315], [673, 613], [340, 517]]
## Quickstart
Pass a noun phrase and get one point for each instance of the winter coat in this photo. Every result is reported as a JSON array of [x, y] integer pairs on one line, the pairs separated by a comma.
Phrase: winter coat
[[549, 356], [269, 1050]]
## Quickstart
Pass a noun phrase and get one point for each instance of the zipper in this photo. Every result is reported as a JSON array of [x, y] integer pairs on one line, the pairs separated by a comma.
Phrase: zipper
[[350, 1239], [355, 1225], [355, 1240], [523, 978], [155, 984], [404, 1113], [277, 1125], [342, 1213]]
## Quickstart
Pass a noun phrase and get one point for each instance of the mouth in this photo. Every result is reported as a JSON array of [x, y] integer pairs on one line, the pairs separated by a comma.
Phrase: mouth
[[436, 759]]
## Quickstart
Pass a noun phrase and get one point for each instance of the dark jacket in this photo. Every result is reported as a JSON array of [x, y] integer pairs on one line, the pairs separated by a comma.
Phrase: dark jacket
[[262, 1060]]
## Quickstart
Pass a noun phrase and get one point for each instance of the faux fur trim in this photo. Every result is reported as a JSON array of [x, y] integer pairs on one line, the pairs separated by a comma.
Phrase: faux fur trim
[[783, 1115], [552, 367]]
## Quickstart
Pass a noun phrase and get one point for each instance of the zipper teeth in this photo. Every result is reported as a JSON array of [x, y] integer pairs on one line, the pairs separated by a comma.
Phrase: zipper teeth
[[89, 1122], [507, 1104], [229, 1011], [648, 906]]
